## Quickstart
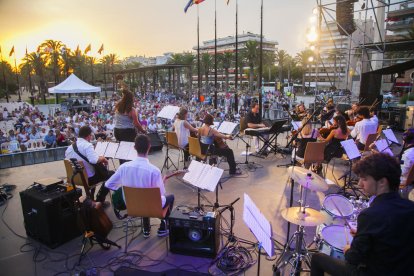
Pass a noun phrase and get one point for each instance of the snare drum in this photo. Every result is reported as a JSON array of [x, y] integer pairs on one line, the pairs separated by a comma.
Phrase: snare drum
[[332, 202], [333, 240]]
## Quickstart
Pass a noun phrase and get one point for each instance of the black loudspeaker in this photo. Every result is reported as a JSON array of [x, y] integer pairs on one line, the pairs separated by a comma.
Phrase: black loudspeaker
[[156, 143], [345, 16], [196, 236], [50, 215]]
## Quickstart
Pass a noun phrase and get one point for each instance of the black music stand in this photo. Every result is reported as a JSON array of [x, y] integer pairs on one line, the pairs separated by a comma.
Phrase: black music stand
[[168, 163], [274, 131], [249, 164]]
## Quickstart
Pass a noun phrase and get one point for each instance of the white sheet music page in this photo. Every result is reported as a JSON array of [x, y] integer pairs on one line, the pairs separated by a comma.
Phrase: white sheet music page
[[296, 124], [100, 148], [123, 150], [213, 178], [227, 127], [351, 149], [132, 154], [382, 146], [390, 135], [168, 112], [193, 171], [111, 150], [258, 224]]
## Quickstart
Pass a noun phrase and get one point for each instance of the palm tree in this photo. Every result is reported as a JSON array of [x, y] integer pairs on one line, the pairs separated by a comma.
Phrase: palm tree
[[302, 59], [112, 60], [251, 55], [291, 62], [206, 64], [281, 59], [38, 64], [226, 61], [188, 59], [51, 49]]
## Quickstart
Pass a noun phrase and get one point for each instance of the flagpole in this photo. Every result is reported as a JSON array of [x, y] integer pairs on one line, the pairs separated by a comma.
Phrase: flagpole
[[198, 53], [261, 59], [17, 76], [30, 83], [215, 54], [4, 76], [236, 70], [103, 50]]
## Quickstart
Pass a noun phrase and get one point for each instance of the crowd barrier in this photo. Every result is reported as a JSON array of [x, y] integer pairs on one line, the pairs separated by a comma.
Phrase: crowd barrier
[[31, 157]]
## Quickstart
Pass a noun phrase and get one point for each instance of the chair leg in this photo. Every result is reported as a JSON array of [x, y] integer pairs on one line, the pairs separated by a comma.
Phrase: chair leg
[[126, 234]]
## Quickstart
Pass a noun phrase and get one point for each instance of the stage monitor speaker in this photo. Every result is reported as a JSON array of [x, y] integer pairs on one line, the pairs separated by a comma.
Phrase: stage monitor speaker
[[50, 216], [156, 143], [345, 16], [197, 236]]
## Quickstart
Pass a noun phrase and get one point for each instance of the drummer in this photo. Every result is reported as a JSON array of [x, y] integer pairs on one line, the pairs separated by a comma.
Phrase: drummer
[[384, 241]]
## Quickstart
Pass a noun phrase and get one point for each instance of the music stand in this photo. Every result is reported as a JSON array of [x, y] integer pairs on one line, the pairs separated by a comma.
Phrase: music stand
[[353, 153], [168, 112], [203, 177], [260, 227]]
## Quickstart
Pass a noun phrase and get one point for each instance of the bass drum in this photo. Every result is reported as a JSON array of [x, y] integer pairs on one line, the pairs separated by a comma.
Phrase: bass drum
[[333, 240]]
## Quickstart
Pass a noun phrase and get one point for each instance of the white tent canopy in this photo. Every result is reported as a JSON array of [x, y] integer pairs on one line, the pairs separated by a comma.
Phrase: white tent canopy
[[73, 85]]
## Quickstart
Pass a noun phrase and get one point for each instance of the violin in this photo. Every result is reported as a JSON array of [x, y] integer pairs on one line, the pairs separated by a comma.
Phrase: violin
[[354, 121], [325, 131]]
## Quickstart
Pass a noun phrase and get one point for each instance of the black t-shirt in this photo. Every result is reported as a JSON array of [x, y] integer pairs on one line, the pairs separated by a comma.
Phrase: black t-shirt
[[253, 118]]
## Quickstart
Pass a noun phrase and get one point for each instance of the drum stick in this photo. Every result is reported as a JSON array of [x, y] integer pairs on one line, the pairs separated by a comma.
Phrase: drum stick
[[336, 207], [346, 235]]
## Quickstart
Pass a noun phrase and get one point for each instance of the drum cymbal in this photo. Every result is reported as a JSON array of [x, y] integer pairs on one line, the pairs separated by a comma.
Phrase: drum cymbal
[[311, 217], [299, 174]]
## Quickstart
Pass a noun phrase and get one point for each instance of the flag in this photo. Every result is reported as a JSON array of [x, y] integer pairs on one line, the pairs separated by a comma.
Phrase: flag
[[88, 49], [192, 2], [228, 1], [101, 49], [11, 52]]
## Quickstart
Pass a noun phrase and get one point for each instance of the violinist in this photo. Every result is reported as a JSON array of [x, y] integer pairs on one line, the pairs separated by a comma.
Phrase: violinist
[[300, 111], [212, 141], [352, 114], [363, 128], [307, 134], [183, 128], [336, 136]]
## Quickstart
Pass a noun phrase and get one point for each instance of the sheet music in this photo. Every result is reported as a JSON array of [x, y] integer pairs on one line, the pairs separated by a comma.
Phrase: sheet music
[[203, 176], [258, 224], [168, 112], [390, 135], [111, 150], [227, 127], [351, 149], [296, 125], [258, 129], [100, 148], [124, 150], [382, 146]]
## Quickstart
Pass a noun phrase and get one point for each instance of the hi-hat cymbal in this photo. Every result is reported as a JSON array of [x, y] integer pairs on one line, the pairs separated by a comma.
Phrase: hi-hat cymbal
[[300, 175], [311, 217]]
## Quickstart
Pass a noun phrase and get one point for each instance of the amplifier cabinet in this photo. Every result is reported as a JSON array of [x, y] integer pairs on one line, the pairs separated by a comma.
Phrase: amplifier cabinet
[[50, 216], [194, 236]]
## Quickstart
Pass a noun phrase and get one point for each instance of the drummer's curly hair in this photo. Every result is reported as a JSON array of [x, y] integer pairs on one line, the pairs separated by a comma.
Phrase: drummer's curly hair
[[380, 165]]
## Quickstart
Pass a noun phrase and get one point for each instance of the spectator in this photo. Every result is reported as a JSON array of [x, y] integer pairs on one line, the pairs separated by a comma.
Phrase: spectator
[[50, 140]]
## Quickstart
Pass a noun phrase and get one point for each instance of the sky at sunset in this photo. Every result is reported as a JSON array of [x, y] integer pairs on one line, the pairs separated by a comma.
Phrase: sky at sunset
[[145, 27]]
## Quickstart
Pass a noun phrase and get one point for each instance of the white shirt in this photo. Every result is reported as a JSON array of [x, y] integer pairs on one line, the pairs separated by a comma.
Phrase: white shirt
[[374, 119], [364, 128], [138, 173], [87, 150], [407, 160], [182, 132]]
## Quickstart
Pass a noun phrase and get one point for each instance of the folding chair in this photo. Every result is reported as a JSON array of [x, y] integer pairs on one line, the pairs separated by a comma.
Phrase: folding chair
[[78, 179], [314, 154], [143, 203], [195, 148]]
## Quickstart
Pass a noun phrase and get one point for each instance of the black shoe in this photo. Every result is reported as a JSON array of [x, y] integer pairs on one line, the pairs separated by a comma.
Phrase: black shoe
[[163, 231], [146, 233]]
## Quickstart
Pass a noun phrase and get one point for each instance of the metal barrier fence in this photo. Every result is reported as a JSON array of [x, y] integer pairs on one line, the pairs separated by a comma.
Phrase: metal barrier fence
[[32, 157]]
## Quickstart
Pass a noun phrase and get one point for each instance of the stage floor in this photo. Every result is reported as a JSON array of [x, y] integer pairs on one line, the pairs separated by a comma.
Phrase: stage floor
[[267, 186]]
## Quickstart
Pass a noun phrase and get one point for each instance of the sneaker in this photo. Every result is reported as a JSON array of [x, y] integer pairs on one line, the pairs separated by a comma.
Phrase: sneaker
[[146, 233], [163, 230]]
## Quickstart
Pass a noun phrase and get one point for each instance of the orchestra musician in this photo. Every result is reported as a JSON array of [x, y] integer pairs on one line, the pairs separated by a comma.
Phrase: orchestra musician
[[383, 242], [339, 133], [407, 153], [363, 128], [183, 128], [352, 113], [253, 120], [212, 141], [300, 111], [307, 134]]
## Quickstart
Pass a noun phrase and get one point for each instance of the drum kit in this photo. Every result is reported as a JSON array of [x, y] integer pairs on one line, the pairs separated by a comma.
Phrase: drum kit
[[333, 222]]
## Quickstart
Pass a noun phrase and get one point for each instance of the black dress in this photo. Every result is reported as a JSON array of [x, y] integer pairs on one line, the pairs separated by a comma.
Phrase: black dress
[[333, 149]]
